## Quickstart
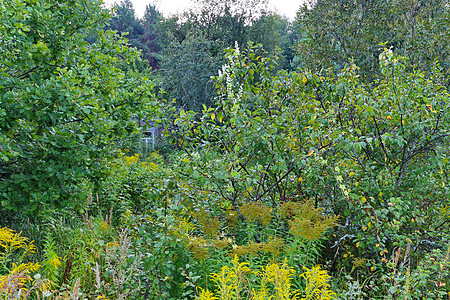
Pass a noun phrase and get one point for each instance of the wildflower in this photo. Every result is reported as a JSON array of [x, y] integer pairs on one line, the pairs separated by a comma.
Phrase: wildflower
[[198, 247], [257, 211], [104, 226], [280, 277], [307, 221], [230, 280], [317, 286], [210, 226], [221, 243], [206, 295], [54, 261], [274, 245], [9, 240]]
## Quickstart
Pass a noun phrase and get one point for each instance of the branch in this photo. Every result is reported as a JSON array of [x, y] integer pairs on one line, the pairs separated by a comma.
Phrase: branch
[[277, 182], [23, 75]]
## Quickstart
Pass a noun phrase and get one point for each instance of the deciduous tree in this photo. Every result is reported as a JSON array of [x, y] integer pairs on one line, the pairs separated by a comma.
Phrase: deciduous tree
[[62, 100], [333, 32]]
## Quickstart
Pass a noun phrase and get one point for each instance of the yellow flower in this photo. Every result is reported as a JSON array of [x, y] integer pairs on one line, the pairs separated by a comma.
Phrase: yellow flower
[[54, 261], [280, 277], [317, 286], [206, 295], [305, 220], [11, 240], [257, 211], [304, 80]]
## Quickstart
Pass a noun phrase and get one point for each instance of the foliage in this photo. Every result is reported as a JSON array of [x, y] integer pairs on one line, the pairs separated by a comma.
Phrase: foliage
[[251, 132], [272, 31], [333, 32], [292, 185], [273, 281], [123, 20], [15, 273], [426, 281], [196, 40], [165, 267], [375, 155], [229, 21], [90, 260], [187, 68], [133, 184], [152, 35], [142, 34], [317, 286], [62, 101]]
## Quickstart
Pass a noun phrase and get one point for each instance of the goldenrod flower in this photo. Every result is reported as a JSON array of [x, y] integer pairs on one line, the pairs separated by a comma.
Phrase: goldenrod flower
[[317, 286]]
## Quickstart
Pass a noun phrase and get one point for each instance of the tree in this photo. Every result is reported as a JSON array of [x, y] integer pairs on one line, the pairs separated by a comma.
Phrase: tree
[[143, 34], [375, 154], [272, 31], [197, 39], [151, 37], [124, 20], [228, 21], [187, 68], [62, 99], [250, 147], [333, 32]]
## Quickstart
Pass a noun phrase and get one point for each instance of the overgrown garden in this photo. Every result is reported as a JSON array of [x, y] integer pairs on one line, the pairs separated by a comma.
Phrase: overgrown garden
[[318, 169]]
